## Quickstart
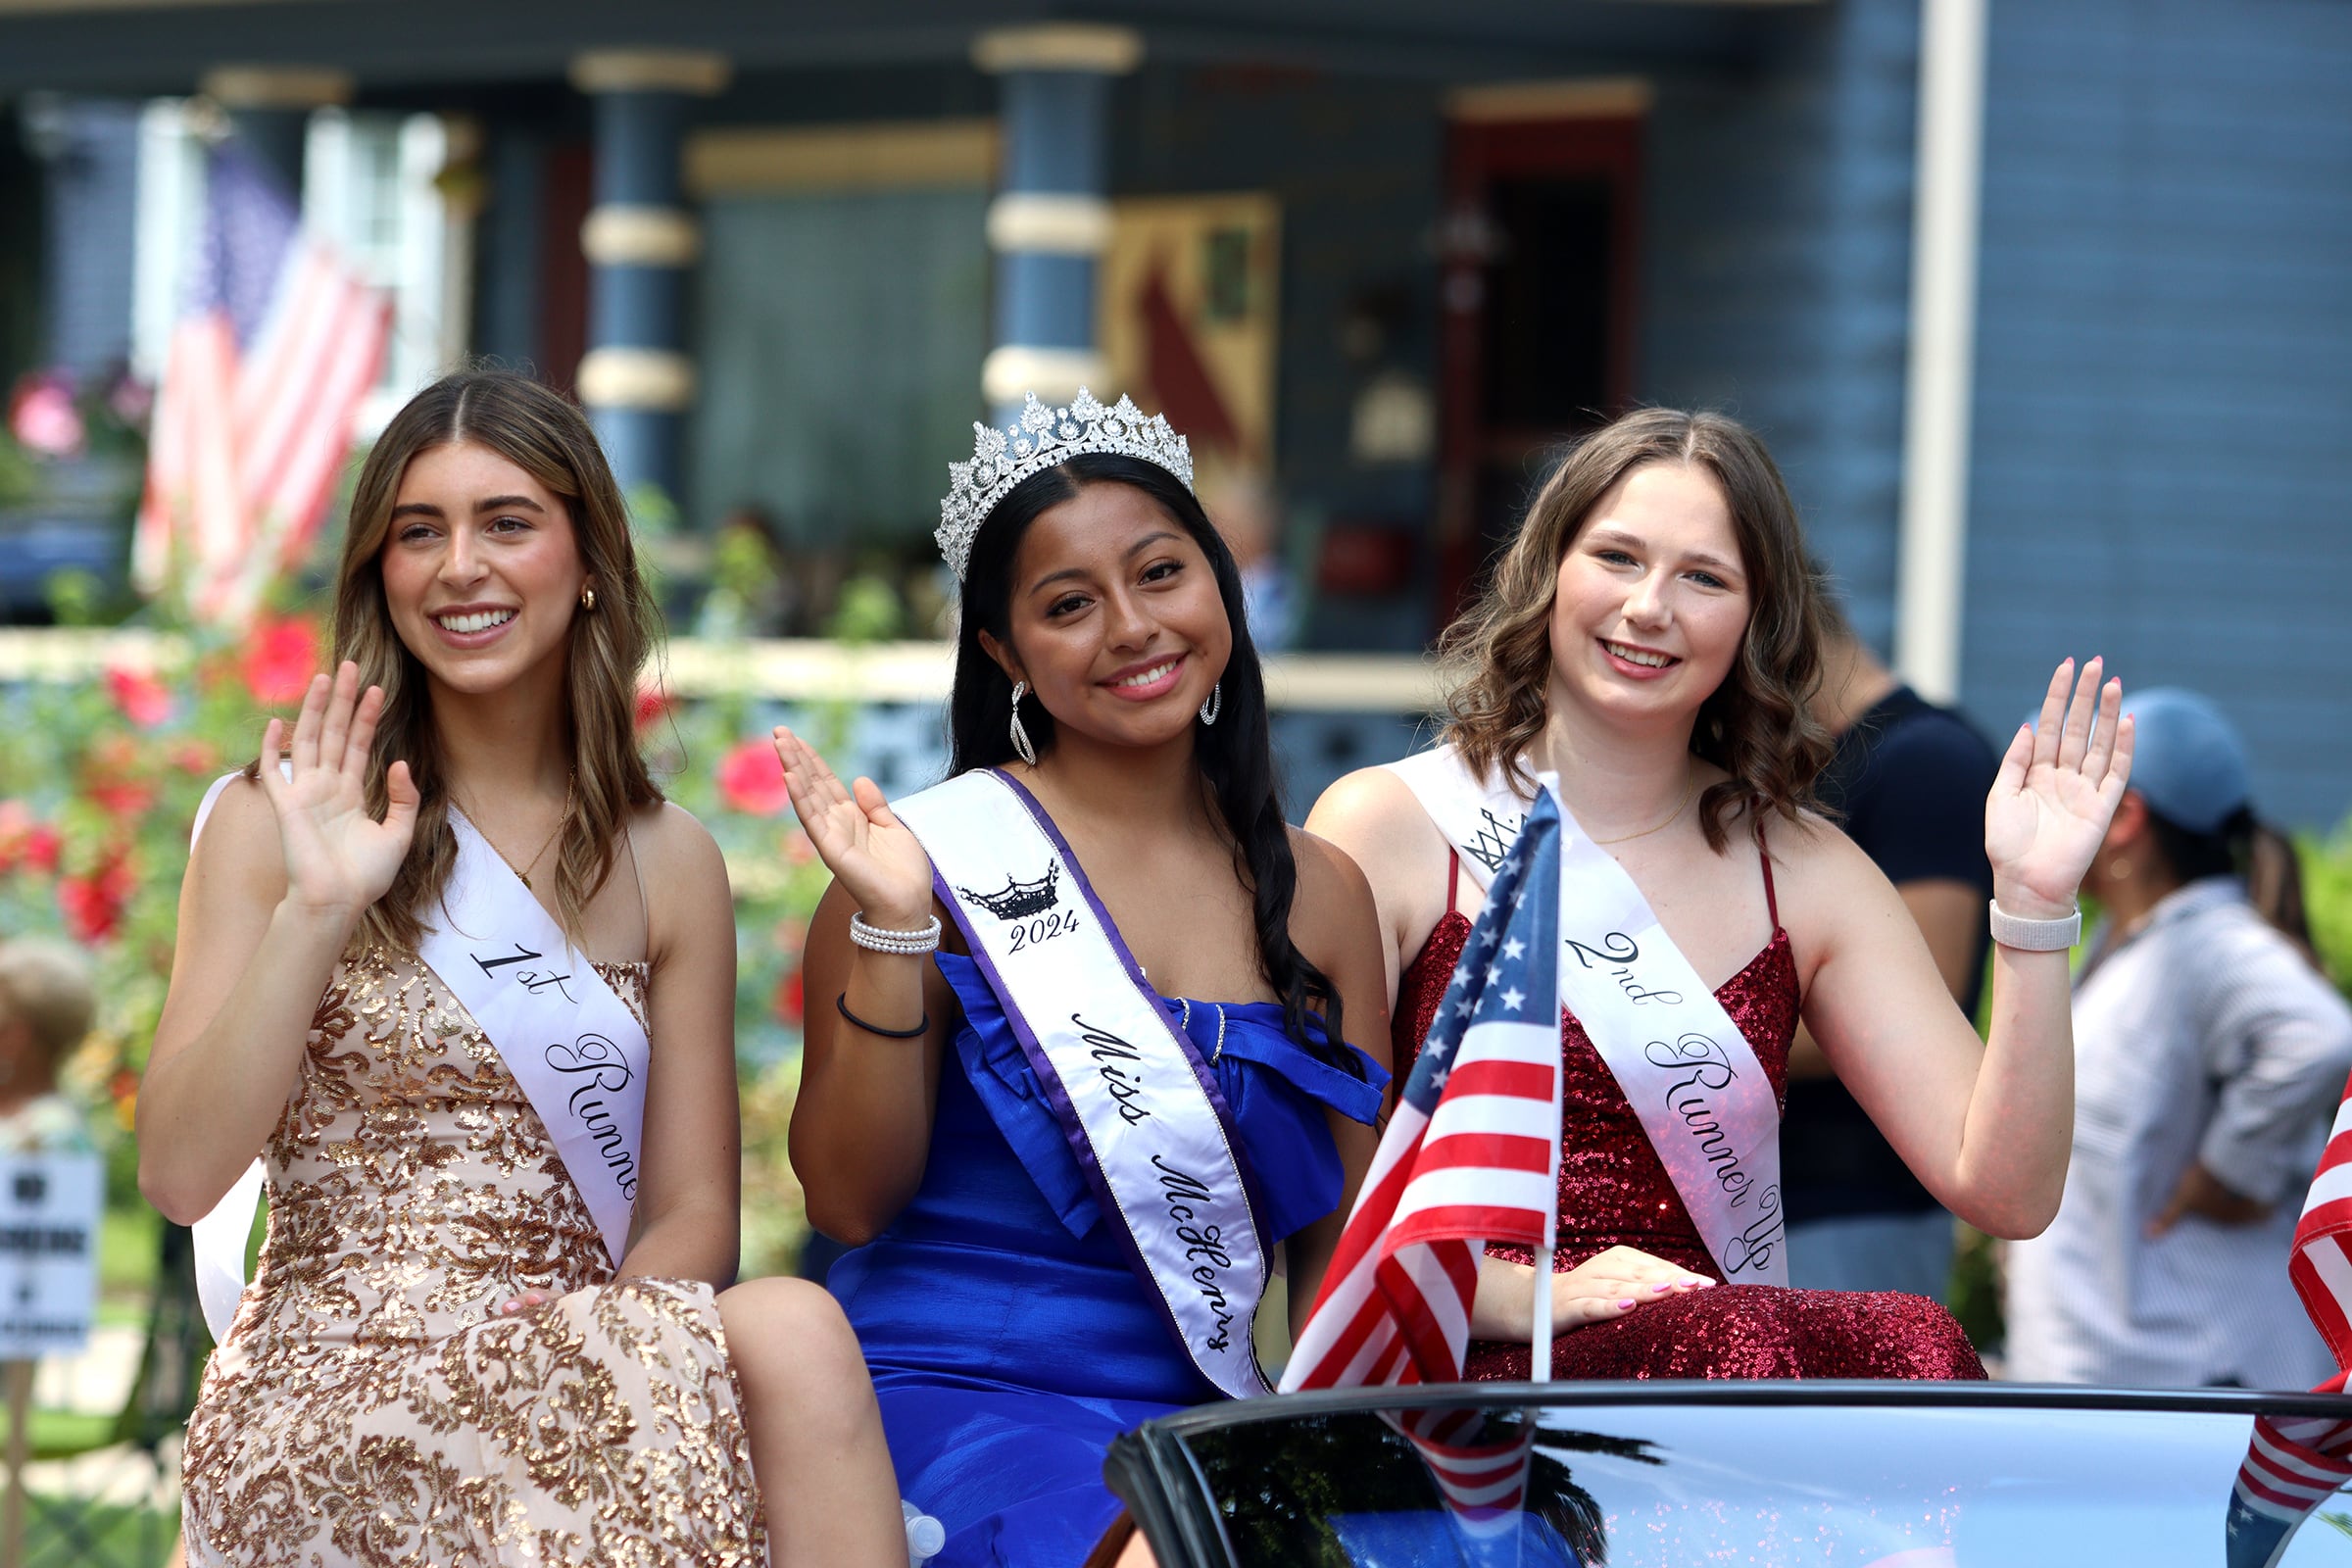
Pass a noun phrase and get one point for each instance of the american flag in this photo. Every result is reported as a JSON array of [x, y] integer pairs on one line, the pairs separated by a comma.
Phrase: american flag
[[267, 368], [2296, 1463], [1471, 1156]]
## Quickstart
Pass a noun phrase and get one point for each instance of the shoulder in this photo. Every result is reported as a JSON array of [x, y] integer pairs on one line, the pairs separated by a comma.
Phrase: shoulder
[[1326, 873], [1373, 814], [673, 846]]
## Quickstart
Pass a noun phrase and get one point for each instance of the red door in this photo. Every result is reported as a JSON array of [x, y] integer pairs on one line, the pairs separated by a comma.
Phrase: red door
[[1536, 314]]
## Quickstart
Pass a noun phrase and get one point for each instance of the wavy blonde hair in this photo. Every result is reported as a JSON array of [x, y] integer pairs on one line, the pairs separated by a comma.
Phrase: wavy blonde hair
[[547, 437], [1758, 726]]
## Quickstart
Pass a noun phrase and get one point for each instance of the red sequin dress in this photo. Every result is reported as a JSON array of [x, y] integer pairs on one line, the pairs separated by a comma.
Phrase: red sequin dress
[[1615, 1192]]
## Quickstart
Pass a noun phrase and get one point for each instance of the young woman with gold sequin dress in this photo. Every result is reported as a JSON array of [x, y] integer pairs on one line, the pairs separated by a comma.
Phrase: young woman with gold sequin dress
[[1649, 639], [457, 1349]]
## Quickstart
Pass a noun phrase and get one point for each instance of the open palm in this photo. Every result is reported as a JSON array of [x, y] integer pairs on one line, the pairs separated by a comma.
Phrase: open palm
[[337, 856], [861, 841], [2058, 786]]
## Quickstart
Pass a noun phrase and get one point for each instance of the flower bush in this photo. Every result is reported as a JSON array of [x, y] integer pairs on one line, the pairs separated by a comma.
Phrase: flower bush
[[100, 784]]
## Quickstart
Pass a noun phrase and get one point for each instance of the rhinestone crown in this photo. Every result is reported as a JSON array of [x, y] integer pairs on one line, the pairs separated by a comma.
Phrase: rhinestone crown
[[1041, 438]]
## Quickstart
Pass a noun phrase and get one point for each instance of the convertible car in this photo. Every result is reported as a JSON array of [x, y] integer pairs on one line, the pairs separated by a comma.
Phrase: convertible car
[[1786, 1475]]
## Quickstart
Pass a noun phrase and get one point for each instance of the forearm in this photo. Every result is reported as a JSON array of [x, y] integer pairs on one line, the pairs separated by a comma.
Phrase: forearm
[[205, 1109], [1504, 1305], [861, 1125], [687, 1241], [2014, 1145]]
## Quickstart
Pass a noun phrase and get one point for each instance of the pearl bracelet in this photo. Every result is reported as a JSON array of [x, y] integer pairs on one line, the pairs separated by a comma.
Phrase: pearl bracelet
[[2036, 936], [904, 943]]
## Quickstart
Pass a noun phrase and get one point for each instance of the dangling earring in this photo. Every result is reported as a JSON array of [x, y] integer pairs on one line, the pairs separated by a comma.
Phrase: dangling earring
[[1215, 704], [587, 599], [1020, 736], [2120, 868]]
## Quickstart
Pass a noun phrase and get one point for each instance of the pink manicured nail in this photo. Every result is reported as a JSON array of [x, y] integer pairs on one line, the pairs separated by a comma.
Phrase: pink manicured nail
[[1668, 1286], [511, 1307], [1627, 1301]]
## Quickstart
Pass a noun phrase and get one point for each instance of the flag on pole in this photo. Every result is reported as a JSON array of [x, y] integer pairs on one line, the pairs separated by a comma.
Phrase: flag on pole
[[2295, 1463], [261, 383], [1471, 1156]]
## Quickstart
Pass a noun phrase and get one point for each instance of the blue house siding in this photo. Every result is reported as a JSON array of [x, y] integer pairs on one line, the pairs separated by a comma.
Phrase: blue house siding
[[1779, 283], [2163, 429]]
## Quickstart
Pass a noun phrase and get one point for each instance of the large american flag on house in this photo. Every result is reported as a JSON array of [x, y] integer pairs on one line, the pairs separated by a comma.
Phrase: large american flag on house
[[267, 368], [1471, 1156], [2295, 1463]]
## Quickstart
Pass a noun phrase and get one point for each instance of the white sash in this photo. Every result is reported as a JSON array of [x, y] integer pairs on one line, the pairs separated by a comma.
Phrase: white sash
[[1684, 1065], [571, 1045], [1139, 1107]]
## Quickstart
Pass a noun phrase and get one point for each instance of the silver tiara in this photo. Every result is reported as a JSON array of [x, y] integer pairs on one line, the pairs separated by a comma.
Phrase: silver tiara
[[1041, 438]]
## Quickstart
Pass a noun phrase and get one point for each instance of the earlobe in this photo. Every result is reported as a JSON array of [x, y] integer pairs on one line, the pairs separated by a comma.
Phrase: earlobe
[[1006, 658]]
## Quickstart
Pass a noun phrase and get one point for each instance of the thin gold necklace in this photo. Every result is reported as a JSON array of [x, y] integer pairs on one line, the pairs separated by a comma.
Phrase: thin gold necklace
[[1679, 807], [526, 869]]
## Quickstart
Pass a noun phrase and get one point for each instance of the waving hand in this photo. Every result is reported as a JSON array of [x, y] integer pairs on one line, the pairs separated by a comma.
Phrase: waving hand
[[874, 855], [337, 856], [2057, 789]]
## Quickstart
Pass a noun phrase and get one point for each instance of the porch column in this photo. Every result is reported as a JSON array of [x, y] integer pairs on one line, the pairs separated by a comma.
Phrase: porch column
[[269, 109], [636, 379], [1051, 215]]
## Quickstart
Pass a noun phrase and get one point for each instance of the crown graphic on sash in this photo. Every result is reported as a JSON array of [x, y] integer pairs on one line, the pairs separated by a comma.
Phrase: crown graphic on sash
[[1020, 900]]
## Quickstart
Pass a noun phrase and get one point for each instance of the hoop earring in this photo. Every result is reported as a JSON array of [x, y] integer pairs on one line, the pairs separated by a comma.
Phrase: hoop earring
[[1020, 736], [587, 599], [1215, 704]]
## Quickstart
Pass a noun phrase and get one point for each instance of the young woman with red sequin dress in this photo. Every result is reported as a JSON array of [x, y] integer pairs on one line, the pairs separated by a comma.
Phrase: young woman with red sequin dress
[[1649, 638]]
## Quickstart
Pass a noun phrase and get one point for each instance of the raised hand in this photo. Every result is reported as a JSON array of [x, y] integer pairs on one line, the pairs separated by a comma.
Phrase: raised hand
[[339, 860], [862, 843], [2058, 787]]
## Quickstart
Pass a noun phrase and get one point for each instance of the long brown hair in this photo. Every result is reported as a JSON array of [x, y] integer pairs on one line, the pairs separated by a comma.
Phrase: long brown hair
[[1756, 726], [547, 437]]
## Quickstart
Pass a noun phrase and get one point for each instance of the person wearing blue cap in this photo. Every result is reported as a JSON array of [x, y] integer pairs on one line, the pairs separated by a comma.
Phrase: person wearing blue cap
[[2209, 1055]]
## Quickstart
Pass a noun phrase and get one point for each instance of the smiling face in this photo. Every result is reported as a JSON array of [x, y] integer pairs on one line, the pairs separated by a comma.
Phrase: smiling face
[[1652, 599], [1114, 619], [482, 569]]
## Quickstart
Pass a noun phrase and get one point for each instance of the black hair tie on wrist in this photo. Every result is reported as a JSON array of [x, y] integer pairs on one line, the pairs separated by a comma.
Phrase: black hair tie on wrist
[[842, 1001]]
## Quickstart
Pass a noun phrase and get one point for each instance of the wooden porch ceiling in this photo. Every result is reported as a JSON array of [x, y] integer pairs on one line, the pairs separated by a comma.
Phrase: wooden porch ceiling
[[163, 46]]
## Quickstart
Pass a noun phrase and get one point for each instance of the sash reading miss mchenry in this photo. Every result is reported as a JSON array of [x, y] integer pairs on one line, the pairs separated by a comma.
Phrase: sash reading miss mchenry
[[1684, 1067], [571, 1045], [1140, 1108]]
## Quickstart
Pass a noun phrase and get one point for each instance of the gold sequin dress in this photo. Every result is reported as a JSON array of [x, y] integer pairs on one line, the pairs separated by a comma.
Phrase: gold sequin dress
[[370, 1408]]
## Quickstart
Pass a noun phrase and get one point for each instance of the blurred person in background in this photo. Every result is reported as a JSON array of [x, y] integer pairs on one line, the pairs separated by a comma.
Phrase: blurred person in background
[[1248, 516], [1907, 783], [2209, 1058], [47, 1001]]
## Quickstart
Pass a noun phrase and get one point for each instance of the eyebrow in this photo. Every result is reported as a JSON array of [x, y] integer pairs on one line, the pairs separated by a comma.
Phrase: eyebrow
[[425, 508], [1134, 549], [1701, 557]]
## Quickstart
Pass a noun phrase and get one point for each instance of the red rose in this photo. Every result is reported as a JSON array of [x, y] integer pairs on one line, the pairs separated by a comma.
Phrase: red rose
[[42, 847], [194, 757], [140, 696], [279, 660], [751, 780], [16, 831], [788, 1000], [92, 905], [111, 778], [652, 703]]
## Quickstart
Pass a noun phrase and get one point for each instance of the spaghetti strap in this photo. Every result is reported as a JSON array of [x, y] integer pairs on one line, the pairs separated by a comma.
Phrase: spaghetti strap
[[1771, 904], [1454, 879]]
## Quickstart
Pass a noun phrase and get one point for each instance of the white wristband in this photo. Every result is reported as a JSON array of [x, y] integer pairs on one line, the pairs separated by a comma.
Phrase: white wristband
[[905, 944], [2036, 936]]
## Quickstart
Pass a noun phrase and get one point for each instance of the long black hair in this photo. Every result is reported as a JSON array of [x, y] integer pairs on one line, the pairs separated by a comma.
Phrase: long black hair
[[1235, 756]]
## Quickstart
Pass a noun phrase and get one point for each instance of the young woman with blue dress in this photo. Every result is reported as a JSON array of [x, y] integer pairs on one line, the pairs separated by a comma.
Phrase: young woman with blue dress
[[1070, 1140]]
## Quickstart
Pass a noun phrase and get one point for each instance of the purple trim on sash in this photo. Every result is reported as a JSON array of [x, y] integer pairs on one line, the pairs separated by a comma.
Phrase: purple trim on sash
[[1135, 972], [1066, 1115]]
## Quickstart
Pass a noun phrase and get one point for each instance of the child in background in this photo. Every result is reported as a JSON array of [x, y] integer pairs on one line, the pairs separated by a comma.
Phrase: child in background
[[47, 1004]]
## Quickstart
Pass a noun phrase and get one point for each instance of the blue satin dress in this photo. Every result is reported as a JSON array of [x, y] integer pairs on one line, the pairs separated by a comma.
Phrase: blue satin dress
[[1008, 1338]]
